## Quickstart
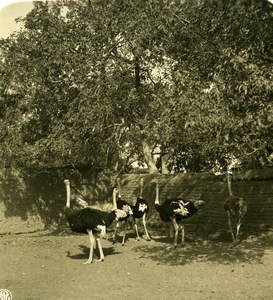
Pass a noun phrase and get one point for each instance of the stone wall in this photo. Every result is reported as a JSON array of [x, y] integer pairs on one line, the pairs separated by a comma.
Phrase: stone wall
[[32, 200]]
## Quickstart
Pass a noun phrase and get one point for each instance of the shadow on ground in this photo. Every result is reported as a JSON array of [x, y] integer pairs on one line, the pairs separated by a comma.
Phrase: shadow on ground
[[84, 252], [218, 250], [215, 249]]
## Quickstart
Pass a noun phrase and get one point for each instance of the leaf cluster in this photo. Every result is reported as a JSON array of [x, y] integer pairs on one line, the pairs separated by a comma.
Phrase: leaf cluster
[[86, 82]]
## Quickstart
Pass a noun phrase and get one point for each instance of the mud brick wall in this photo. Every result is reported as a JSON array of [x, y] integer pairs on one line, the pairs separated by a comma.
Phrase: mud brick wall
[[32, 201], [255, 186]]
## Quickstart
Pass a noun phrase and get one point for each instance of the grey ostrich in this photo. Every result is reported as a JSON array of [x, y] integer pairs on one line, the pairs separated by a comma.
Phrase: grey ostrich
[[236, 208]]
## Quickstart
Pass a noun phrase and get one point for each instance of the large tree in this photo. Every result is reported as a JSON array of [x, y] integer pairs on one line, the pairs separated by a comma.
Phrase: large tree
[[103, 82]]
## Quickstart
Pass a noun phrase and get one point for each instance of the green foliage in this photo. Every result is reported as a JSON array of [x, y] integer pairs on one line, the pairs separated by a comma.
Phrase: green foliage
[[89, 82]]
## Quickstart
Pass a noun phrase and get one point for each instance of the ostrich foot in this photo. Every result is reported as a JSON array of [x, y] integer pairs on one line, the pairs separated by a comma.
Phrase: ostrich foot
[[234, 243], [171, 247], [147, 238], [88, 262]]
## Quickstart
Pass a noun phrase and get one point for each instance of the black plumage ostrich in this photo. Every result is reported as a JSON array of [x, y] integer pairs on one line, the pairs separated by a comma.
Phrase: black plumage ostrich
[[124, 206], [236, 208], [90, 221], [176, 211], [140, 210]]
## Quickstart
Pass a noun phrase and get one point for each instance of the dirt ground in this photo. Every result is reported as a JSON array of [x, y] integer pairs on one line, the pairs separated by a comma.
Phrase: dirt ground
[[50, 266]]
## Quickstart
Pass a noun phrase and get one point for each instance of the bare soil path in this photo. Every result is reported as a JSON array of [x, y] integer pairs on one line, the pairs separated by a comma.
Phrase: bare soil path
[[45, 266]]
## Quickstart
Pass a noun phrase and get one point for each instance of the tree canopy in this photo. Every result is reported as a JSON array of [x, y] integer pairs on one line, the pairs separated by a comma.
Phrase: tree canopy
[[105, 83]]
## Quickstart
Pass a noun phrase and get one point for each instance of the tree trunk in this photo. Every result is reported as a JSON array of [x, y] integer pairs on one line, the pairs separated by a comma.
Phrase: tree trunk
[[166, 155], [148, 158], [113, 160], [164, 164], [147, 153], [229, 179]]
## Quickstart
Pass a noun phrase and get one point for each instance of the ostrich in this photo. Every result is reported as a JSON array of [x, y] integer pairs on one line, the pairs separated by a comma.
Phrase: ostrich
[[91, 221], [176, 211], [127, 209], [236, 208], [140, 210]]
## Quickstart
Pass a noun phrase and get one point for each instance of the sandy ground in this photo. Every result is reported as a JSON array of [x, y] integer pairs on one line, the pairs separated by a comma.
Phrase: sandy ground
[[50, 266]]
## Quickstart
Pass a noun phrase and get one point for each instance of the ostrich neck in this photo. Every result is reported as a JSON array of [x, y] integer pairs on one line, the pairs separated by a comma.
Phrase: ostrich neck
[[68, 193], [114, 200], [141, 188], [157, 194]]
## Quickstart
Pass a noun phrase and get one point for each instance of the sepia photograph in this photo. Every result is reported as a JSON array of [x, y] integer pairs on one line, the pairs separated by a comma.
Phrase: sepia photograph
[[136, 149]]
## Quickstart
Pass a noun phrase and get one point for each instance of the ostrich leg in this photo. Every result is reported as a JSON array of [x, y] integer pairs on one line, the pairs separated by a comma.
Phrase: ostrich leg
[[230, 226], [136, 229], [124, 233], [115, 232], [238, 229], [92, 242], [145, 228], [176, 230], [182, 226], [100, 250]]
